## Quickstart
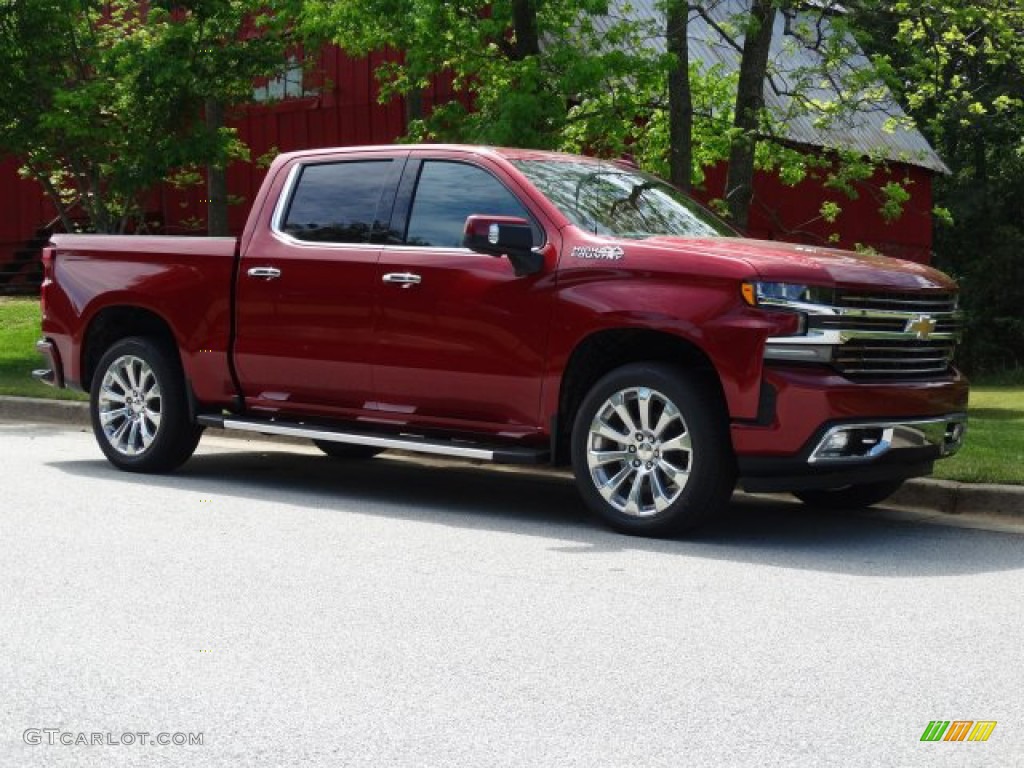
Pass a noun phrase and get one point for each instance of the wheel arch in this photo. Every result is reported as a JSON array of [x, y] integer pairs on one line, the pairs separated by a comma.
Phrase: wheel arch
[[602, 352], [111, 324]]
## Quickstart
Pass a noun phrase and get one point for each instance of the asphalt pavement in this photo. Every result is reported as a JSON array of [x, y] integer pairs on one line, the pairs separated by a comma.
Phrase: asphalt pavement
[[287, 609], [925, 494]]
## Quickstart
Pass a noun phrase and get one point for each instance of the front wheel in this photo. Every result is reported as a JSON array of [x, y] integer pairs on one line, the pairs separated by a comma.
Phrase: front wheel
[[850, 497], [651, 450], [138, 407]]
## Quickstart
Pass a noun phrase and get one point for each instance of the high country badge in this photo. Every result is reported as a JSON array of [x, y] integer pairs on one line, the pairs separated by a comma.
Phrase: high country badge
[[599, 253]]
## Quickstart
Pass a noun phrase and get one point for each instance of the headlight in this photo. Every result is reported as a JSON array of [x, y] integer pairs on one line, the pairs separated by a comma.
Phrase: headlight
[[793, 296]]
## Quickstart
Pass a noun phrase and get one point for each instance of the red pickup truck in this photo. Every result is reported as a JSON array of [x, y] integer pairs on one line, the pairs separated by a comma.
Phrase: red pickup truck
[[515, 306]]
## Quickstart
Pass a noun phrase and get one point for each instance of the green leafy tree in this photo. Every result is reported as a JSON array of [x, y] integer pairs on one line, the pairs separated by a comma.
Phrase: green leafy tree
[[104, 100], [598, 78], [518, 66], [960, 70], [696, 116]]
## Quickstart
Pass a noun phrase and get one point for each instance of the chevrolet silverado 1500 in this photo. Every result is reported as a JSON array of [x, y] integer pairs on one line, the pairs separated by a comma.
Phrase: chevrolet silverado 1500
[[515, 306]]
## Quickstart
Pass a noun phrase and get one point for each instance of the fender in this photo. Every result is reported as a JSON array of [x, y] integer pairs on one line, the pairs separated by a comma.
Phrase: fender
[[184, 282]]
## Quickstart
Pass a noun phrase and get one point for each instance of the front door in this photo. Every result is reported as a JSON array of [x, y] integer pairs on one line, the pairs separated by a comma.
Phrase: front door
[[460, 340]]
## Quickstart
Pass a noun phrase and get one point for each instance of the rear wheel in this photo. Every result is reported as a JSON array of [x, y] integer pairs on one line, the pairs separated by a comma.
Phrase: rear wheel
[[651, 450], [850, 497], [138, 407], [347, 450]]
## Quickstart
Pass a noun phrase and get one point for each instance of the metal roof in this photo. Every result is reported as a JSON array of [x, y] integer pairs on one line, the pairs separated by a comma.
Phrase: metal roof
[[878, 126]]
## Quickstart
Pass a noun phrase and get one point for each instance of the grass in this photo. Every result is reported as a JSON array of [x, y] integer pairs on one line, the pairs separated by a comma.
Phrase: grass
[[994, 452], [19, 331]]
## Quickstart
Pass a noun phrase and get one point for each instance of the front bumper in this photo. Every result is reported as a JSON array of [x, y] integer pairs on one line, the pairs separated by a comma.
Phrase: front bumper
[[820, 430], [856, 453]]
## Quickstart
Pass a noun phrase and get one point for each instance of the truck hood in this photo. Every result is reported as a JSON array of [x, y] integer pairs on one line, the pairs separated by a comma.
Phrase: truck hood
[[774, 261]]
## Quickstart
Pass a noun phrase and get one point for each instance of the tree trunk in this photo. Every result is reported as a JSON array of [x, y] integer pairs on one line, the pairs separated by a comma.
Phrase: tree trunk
[[524, 21], [413, 107], [63, 211], [216, 179], [680, 97], [739, 183]]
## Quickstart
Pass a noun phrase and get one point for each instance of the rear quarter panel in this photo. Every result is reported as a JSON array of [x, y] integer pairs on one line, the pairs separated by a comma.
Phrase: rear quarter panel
[[185, 281]]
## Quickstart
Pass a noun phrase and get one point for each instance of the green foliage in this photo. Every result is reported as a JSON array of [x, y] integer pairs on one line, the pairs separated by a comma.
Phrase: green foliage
[[103, 100], [895, 196], [597, 85], [830, 211], [960, 70], [520, 95]]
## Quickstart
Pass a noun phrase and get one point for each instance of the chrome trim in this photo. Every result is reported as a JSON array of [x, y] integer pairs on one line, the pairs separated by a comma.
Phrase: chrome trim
[[399, 443], [943, 301], [54, 375], [283, 199], [807, 351], [267, 273], [836, 337], [903, 345], [404, 279], [945, 433], [453, 249], [45, 376]]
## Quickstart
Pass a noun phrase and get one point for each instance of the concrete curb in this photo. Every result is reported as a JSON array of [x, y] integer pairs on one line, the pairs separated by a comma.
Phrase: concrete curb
[[69, 412], [942, 496]]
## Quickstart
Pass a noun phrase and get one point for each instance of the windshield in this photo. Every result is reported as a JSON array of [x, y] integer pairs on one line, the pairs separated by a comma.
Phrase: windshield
[[607, 199]]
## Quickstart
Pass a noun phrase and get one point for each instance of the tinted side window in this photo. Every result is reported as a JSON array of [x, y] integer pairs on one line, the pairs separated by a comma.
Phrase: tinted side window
[[337, 202], [449, 192]]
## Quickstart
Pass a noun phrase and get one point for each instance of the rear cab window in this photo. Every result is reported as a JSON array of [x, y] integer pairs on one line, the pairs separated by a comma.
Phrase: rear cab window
[[339, 202]]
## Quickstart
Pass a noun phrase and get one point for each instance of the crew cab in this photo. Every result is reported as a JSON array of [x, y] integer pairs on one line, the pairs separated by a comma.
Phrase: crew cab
[[515, 306]]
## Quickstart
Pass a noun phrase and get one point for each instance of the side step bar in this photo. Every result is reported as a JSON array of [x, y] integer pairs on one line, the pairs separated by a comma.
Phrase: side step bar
[[455, 448]]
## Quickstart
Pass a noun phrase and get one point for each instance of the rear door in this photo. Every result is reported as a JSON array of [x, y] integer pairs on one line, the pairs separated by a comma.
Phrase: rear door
[[307, 286], [460, 340]]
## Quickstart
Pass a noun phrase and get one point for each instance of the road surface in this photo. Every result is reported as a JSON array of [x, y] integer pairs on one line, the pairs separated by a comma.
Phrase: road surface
[[288, 609]]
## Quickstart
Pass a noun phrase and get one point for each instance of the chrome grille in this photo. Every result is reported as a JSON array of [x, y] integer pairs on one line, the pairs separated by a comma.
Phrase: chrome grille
[[873, 358], [918, 301], [875, 335], [890, 324]]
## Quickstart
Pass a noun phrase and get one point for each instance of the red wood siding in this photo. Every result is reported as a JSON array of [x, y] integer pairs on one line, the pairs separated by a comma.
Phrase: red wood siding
[[793, 214], [24, 209]]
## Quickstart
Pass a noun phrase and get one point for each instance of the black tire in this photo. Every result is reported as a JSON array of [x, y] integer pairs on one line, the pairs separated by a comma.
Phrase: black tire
[[850, 497], [349, 451], [152, 431], [687, 469]]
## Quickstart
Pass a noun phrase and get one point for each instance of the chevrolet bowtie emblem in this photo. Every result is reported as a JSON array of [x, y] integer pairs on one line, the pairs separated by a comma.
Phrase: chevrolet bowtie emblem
[[923, 326]]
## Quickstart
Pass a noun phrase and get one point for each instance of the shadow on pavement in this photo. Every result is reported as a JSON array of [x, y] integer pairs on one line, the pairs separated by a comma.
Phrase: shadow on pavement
[[752, 530]]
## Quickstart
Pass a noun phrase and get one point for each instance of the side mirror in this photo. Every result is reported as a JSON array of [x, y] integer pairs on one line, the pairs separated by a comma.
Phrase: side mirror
[[507, 236]]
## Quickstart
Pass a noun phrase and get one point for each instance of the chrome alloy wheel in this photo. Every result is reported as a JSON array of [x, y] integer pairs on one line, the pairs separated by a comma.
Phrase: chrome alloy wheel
[[130, 405], [639, 452]]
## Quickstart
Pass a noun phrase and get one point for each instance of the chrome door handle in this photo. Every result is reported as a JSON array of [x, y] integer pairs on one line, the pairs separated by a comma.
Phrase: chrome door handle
[[267, 273], [404, 279]]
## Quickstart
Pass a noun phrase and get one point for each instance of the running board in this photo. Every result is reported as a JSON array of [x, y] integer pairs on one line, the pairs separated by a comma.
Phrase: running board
[[458, 449]]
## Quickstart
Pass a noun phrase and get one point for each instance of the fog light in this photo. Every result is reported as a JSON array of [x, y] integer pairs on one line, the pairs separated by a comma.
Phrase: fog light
[[837, 443], [854, 442]]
